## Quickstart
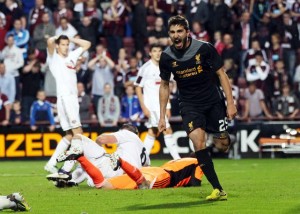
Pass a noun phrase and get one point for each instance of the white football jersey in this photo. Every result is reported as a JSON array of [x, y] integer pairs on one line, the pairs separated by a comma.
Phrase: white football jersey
[[63, 70], [131, 148], [148, 78]]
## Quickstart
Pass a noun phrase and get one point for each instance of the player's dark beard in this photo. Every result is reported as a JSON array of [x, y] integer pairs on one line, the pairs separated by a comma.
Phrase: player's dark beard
[[184, 44]]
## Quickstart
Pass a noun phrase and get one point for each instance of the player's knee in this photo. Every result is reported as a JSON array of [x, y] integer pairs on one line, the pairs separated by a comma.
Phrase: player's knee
[[222, 141]]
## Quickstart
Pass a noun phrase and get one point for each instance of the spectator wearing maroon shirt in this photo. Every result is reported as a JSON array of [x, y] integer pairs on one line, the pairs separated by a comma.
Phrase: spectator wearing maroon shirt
[[163, 9], [3, 30], [62, 10], [14, 12], [35, 15], [94, 13], [4, 109], [114, 26], [198, 32]]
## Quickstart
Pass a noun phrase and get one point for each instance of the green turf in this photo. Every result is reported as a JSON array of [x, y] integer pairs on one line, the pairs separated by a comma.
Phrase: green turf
[[253, 186]]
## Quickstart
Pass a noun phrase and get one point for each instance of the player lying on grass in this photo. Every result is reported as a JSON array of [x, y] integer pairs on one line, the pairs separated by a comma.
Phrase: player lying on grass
[[129, 147], [14, 201], [176, 173]]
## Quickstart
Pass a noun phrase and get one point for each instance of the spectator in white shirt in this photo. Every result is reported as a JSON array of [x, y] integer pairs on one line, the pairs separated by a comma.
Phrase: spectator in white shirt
[[13, 60], [257, 69], [7, 84], [255, 106], [65, 28]]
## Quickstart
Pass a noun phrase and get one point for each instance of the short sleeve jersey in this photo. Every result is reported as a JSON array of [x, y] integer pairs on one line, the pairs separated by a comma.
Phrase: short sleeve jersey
[[63, 70], [131, 148], [148, 78], [194, 70], [254, 102]]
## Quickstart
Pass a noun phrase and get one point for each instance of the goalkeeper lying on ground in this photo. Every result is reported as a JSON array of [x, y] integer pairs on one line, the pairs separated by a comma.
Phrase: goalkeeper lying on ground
[[176, 173]]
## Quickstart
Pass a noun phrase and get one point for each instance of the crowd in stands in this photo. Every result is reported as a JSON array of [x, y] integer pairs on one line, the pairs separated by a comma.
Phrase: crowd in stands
[[259, 41]]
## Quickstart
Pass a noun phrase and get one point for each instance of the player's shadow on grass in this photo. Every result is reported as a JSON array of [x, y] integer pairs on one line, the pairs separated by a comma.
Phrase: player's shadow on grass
[[166, 205]]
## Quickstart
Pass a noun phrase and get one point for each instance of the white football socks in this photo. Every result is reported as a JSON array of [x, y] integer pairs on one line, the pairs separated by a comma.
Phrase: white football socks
[[61, 147], [148, 143], [68, 165], [171, 145], [79, 175]]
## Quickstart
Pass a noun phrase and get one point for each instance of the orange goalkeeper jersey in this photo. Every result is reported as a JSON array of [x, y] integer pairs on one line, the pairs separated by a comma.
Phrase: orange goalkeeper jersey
[[182, 172]]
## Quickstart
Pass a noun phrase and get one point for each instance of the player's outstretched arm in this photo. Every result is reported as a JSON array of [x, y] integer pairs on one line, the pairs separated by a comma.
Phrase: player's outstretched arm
[[164, 92], [81, 43], [231, 108], [51, 44]]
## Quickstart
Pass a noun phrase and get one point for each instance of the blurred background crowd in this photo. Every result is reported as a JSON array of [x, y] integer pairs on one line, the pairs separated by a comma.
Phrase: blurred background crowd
[[257, 39]]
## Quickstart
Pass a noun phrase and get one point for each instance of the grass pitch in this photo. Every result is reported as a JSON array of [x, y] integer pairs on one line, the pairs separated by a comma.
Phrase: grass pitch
[[253, 186]]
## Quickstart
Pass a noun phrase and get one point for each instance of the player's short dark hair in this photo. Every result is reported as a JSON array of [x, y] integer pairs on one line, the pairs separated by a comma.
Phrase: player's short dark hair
[[61, 37], [178, 20], [155, 45], [130, 127]]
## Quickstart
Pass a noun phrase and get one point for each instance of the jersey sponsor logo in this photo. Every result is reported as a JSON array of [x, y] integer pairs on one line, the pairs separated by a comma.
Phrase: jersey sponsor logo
[[174, 64], [187, 72], [198, 59], [71, 64]]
